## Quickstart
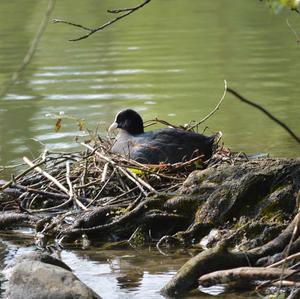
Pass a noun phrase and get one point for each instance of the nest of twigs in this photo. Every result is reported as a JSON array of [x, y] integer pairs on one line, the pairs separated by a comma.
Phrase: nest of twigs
[[56, 181]]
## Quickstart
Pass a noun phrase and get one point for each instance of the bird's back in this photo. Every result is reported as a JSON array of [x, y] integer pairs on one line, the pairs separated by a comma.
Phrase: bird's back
[[164, 145]]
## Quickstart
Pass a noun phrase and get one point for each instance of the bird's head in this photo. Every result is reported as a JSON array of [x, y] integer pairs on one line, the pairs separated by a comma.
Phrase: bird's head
[[129, 121]]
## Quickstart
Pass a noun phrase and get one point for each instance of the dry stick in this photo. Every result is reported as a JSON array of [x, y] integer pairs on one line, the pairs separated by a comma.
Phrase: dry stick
[[99, 193], [87, 184], [47, 175], [30, 53], [127, 11], [104, 173], [62, 205], [117, 199], [213, 111], [287, 283], [156, 120], [71, 193], [243, 99], [40, 192], [126, 173]]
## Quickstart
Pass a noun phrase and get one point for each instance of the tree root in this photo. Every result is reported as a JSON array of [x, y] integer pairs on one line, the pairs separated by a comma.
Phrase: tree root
[[14, 220], [246, 275], [219, 258]]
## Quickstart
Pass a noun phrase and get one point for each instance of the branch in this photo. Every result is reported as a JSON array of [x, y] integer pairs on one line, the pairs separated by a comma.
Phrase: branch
[[213, 111], [279, 122], [91, 31], [296, 10]]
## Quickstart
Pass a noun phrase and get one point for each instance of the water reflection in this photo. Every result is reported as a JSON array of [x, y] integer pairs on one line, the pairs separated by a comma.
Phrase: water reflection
[[165, 62], [113, 274]]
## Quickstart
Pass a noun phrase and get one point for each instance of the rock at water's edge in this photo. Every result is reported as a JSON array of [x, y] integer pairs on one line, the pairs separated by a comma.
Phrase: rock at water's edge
[[38, 280]]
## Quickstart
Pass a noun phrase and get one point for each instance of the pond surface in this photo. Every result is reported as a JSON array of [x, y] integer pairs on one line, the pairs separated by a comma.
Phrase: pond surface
[[115, 274], [167, 60]]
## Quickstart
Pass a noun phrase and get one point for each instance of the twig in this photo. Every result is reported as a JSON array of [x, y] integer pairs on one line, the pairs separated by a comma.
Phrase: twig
[[31, 51], [279, 122], [164, 239], [293, 31], [296, 10], [291, 257], [127, 11], [71, 193], [43, 193], [104, 173], [156, 120], [47, 175], [213, 111], [103, 187]]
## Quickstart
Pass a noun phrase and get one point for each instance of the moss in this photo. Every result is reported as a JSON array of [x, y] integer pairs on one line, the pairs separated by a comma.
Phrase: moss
[[139, 238]]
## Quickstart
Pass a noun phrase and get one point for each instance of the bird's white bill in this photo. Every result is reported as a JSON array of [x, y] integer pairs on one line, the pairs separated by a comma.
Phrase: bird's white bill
[[112, 127]]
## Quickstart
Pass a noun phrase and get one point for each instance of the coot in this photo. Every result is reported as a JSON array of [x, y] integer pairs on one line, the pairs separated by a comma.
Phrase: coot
[[166, 145]]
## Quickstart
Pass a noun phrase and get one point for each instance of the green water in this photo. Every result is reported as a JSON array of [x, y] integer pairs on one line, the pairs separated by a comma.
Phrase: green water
[[167, 60]]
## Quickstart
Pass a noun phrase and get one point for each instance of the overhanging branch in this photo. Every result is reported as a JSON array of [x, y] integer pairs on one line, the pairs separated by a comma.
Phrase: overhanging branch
[[91, 31]]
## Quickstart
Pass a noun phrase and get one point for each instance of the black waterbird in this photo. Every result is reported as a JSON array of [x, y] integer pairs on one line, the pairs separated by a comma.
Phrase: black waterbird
[[168, 145]]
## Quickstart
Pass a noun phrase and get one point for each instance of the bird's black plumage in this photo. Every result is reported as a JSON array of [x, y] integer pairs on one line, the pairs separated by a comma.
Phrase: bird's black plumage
[[164, 145]]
